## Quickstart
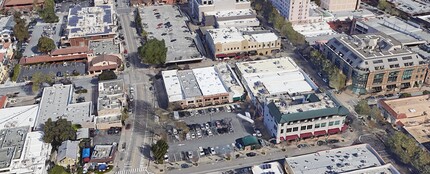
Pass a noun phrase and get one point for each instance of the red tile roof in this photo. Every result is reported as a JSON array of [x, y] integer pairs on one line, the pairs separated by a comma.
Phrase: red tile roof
[[3, 101], [47, 59], [19, 2], [69, 50], [104, 57]]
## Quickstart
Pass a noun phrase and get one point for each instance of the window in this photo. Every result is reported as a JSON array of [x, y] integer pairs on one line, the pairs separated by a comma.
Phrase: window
[[309, 127], [289, 130], [337, 122], [407, 74], [394, 66], [392, 76], [317, 126], [282, 131], [407, 58], [295, 129], [379, 67], [303, 128], [323, 124], [377, 61], [409, 64], [392, 59], [330, 123], [189, 102], [378, 78]]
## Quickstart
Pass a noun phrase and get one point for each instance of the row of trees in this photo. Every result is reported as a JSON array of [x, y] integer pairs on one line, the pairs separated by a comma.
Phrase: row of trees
[[267, 11], [139, 26], [20, 30], [363, 108], [47, 13], [159, 149], [337, 79], [409, 152]]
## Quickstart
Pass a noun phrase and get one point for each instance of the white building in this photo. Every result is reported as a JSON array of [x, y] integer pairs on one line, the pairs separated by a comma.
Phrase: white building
[[110, 104], [357, 159], [295, 11], [232, 18], [199, 7], [268, 168], [6, 29]]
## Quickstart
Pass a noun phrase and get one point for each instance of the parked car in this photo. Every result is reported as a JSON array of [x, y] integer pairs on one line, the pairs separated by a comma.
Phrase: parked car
[[201, 151], [190, 154], [212, 150], [251, 154]]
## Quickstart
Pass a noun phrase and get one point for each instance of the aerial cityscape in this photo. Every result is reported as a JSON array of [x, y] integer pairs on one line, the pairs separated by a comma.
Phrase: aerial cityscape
[[215, 86]]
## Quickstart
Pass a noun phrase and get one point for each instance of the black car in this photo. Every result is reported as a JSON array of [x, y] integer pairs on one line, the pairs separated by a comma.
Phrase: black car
[[173, 40], [332, 141], [251, 154], [127, 64]]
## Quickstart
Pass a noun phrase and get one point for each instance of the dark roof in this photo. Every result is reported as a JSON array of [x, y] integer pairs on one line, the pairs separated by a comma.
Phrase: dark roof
[[283, 118], [249, 140]]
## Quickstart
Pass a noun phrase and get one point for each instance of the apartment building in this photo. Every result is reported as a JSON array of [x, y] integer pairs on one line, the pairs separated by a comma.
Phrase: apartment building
[[295, 11], [235, 42], [340, 5], [376, 63], [90, 23], [199, 7], [195, 88]]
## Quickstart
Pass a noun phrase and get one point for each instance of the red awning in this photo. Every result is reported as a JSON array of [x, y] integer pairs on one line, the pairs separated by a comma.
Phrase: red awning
[[333, 131], [231, 54], [344, 127], [221, 55], [282, 138], [86, 159], [306, 135], [291, 137], [320, 133]]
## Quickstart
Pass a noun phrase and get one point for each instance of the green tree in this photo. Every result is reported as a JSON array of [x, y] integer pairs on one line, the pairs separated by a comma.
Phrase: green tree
[[45, 44], [20, 28], [404, 95], [376, 114], [38, 78], [107, 75], [336, 77], [153, 52], [383, 4], [57, 170], [16, 71], [159, 149], [48, 12], [426, 92], [362, 108], [55, 132]]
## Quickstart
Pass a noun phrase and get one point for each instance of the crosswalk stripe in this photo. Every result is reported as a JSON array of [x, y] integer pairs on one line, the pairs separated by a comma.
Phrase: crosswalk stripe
[[132, 171]]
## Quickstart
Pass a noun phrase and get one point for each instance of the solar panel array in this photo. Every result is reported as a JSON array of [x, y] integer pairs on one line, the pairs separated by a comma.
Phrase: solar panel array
[[96, 21]]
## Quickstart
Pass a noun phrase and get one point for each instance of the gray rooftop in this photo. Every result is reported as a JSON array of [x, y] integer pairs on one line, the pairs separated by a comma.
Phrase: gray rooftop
[[82, 133], [90, 21], [413, 7], [11, 144], [370, 52], [189, 84], [110, 93], [103, 151], [340, 160], [69, 149], [57, 103], [7, 23], [104, 47]]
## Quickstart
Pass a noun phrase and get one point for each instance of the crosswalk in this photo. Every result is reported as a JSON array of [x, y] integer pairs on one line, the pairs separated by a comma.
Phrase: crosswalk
[[133, 171]]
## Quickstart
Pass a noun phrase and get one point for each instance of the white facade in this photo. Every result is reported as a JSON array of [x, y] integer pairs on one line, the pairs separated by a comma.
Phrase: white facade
[[295, 11], [199, 7]]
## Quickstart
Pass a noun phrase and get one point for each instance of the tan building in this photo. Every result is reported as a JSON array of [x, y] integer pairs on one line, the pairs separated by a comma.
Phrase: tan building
[[234, 42], [410, 114], [104, 62], [295, 11], [376, 63], [340, 5], [110, 104]]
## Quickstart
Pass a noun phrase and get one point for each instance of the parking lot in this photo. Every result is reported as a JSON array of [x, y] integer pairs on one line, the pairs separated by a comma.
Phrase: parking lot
[[106, 137], [210, 127], [59, 70], [166, 22]]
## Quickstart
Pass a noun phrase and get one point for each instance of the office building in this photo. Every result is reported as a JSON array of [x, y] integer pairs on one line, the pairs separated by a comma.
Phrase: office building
[[110, 104], [340, 5], [104, 153], [376, 63], [90, 23], [69, 54], [195, 88], [268, 168], [295, 11], [199, 7], [56, 103], [357, 159], [231, 18], [411, 7], [410, 114], [236, 42]]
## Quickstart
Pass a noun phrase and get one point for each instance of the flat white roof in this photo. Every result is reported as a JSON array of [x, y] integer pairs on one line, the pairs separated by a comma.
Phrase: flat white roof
[[18, 116], [267, 66], [268, 168], [291, 82], [172, 85], [265, 37], [230, 79], [384, 169], [209, 81], [224, 35], [231, 13], [340, 160], [314, 29]]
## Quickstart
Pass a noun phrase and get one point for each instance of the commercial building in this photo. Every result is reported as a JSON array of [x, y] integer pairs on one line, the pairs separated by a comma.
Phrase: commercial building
[[68, 153], [376, 63], [295, 11], [103, 2], [230, 80], [266, 168], [21, 5], [90, 23], [103, 153], [352, 160], [236, 42], [6, 29], [412, 7], [410, 114], [199, 7], [110, 103], [340, 5], [407, 33], [195, 88], [104, 62], [56, 103], [69, 54], [231, 18]]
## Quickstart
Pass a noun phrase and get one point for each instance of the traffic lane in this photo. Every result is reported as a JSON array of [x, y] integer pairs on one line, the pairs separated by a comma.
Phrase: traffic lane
[[24, 90]]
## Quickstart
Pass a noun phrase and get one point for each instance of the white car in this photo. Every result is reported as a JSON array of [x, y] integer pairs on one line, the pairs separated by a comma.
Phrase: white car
[[166, 158], [199, 134], [207, 126], [228, 109], [190, 154], [210, 132], [212, 150], [193, 136], [201, 151]]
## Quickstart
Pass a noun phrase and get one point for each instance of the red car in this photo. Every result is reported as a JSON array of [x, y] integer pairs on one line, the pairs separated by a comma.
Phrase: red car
[[125, 51]]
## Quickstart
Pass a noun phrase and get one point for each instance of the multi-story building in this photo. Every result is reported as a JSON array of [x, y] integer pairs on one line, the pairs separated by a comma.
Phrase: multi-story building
[[269, 168], [355, 159], [196, 88], [235, 42], [340, 5], [295, 11], [90, 23], [6, 27], [199, 7], [231, 18], [21, 5], [110, 104], [410, 114], [376, 63]]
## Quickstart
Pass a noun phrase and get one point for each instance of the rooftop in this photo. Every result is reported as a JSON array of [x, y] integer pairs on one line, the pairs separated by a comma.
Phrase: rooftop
[[233, 34], [406, 32], [314, 29], [57, 103], [409, 107], [340, 160], [18, 116], [361, 13], [192, 83], [103, 151], [104, 47], [12, 144], [90, 21], [230, 79], [412, 7], [110, 93], [370, 52], [7, 23], [20, 2], [232, 13], [268, 168], [384, 169], [68, 149]]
